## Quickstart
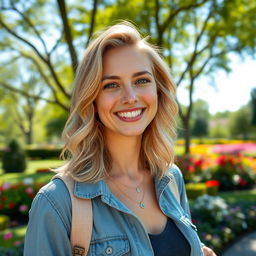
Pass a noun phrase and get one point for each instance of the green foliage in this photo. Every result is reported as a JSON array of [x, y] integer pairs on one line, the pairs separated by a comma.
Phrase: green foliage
[[15, 251], [240, 123], [55, 126], [43, 153], [200, 128], [195, 190], [4, 222], [11, 241], [14, 158], [253, 106]]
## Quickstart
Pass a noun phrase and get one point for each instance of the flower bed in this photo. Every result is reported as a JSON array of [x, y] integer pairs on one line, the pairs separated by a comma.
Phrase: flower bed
[[233, 172], [219, 223], [16, 199]]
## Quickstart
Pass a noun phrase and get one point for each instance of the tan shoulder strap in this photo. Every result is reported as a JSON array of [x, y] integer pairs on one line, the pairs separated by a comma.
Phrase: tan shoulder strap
[[174, 187], [81, 226]]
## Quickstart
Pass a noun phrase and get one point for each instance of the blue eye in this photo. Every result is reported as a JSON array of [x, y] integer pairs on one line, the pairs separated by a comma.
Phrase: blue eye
[[110, 85], [142, 81]]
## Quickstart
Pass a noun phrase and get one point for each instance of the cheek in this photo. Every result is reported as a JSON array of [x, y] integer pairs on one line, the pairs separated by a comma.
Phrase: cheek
[[151, 98], [103, 105]]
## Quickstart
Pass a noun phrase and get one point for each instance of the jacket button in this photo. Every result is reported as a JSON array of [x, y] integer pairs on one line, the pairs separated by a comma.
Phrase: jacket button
[[109, 250]]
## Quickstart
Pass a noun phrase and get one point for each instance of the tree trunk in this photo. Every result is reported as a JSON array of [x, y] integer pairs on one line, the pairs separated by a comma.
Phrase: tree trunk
[[187, 134]]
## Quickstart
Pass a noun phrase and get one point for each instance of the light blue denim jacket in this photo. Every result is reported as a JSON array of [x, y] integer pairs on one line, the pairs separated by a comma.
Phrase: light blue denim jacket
[[116, 230]]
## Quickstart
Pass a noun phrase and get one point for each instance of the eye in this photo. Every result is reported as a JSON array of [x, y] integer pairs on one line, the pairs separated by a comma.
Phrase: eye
[[142, 81], [110, 85]]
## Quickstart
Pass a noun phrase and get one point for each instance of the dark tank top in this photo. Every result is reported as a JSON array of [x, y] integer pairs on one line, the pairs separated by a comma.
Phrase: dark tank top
[[171, 242]]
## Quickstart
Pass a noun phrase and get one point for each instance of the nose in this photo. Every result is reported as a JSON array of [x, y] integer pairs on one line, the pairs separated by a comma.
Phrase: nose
[[129, 95]]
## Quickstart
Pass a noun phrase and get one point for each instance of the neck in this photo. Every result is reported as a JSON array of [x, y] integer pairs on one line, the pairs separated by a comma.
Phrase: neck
[[125, 154]]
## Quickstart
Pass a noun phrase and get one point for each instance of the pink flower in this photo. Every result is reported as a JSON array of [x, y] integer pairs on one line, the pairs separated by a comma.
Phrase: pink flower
[[17, 243], [6, 186], [23, 208], [7, 236], [29, 190]]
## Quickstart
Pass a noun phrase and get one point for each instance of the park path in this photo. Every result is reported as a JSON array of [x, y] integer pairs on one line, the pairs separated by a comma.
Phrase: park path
[[246, 246]]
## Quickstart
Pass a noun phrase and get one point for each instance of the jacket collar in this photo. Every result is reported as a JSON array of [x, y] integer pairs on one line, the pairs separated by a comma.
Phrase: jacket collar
[[87, 190]]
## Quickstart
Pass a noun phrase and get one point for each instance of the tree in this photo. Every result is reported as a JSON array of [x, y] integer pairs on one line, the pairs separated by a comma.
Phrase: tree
[[240, 124], [195, 36], [253, 106], [25, 35]]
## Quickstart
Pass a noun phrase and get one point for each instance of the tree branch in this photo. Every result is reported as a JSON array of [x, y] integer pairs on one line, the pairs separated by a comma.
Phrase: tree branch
[[157, 7], [94, 11], [174, 13], [26, 94], [47, 61], [30, 24], [23, 40], [67, 33], [195, 52], [56, 45]]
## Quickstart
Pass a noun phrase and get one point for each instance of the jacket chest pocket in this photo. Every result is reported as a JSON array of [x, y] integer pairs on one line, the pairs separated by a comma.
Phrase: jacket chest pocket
[[116, 246]]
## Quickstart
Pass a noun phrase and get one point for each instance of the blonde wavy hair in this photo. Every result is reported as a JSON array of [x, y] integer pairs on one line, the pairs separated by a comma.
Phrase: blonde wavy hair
[[86, 155]]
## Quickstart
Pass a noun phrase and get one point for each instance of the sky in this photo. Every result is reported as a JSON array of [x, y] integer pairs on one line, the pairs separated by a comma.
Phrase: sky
[[231, 90]]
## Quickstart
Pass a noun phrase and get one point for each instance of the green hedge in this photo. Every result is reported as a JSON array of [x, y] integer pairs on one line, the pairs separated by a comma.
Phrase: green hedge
[[40, 153]]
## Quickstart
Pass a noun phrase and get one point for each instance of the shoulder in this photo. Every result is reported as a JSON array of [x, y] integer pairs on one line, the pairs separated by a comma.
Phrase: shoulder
[[55, 191], [53, 198], [175, 171]]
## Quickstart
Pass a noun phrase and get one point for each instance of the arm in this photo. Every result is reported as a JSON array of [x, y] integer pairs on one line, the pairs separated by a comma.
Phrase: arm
[[49, 223], [185, 205]]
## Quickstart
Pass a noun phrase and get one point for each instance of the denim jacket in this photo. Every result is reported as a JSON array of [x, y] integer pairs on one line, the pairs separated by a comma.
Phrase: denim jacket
[[116, 229]]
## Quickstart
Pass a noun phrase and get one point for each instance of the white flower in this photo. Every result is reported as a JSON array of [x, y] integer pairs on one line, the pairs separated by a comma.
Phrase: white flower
[[28, 181]]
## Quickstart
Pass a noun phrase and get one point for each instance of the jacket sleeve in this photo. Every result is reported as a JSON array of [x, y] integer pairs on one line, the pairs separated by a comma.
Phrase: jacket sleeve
[[48, 229], [182, 190]]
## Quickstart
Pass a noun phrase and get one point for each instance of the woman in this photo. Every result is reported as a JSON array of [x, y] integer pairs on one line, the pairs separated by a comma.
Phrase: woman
[[119, 139]]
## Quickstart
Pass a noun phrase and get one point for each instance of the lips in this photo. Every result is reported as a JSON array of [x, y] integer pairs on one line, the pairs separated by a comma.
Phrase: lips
[[130, 114]]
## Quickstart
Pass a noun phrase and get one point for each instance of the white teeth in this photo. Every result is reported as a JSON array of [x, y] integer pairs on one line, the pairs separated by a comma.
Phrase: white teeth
[[130, 114]]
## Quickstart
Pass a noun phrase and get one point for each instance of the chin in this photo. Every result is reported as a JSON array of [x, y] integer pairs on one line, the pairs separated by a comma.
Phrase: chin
[[133, 133]]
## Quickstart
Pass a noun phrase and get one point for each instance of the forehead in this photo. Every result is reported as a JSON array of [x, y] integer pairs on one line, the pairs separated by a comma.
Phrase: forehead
[[125, 60]]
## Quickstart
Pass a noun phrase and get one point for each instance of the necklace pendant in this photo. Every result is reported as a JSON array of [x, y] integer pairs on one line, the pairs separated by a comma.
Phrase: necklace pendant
[[138, 190], [142, 205]]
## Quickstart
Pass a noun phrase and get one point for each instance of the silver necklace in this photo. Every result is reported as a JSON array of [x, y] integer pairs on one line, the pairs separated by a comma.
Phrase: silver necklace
[[137, 189]]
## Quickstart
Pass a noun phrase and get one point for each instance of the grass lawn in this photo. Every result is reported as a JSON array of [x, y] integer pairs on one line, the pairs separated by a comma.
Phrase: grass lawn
[[31, 171], [239, 196]]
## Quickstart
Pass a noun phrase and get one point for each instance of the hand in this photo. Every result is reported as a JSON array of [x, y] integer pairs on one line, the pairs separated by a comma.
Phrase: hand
[[208, 251]]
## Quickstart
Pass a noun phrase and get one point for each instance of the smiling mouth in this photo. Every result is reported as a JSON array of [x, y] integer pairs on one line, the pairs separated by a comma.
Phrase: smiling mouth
[[130, 114]]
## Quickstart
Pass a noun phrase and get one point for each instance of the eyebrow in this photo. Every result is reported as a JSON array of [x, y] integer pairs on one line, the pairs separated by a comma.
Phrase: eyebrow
[[134, 75]]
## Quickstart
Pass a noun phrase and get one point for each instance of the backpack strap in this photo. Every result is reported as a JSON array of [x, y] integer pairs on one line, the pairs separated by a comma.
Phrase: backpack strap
[[81, 226], [174, 187]]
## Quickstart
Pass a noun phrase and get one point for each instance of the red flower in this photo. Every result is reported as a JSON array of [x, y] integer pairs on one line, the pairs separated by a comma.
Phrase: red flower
[[11, 205], [221, 160], [194, 221], [191, 168], [198, 162], [242, 182], [3, 198], [212, 183]]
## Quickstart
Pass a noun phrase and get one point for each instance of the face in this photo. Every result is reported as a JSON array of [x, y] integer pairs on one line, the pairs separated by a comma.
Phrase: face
[[127, 101]]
